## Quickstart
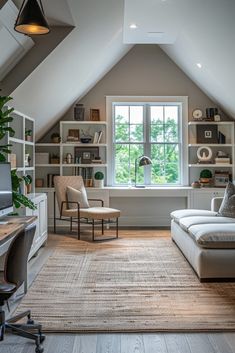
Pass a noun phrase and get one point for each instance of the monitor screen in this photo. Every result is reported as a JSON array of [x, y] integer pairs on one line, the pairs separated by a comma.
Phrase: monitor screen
[[5, 188]]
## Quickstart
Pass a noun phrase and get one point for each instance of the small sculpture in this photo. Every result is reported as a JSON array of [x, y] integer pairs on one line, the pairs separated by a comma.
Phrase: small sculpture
[[204, 154]]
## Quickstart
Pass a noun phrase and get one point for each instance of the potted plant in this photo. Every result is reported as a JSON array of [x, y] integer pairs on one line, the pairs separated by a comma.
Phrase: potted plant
[[205, 177], [28, 183], [99, 180], [55, 159], [55, 137], [28, 135]]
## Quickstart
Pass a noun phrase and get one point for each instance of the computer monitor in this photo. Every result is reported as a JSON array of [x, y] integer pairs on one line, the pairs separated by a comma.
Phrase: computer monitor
[[6, 202]]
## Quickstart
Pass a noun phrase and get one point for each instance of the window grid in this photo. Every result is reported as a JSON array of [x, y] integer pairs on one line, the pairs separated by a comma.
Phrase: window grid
[[148, 143]]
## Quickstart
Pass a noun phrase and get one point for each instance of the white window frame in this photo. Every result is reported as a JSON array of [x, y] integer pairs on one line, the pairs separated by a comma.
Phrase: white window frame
[[181, 101]]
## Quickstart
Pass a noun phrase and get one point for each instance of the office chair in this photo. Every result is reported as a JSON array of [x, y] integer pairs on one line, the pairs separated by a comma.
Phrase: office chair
[[15, 272]]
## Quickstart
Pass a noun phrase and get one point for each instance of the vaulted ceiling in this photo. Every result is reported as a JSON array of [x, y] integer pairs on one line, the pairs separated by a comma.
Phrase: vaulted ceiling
[[190, 32]]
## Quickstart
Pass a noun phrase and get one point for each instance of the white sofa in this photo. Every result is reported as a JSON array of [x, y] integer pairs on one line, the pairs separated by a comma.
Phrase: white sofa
[[207, 240]]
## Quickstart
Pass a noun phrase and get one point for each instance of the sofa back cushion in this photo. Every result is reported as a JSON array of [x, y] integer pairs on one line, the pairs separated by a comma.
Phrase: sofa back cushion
[[227, 208]]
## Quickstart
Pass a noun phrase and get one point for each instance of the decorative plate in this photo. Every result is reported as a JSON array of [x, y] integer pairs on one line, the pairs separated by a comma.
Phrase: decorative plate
[[197, 114]]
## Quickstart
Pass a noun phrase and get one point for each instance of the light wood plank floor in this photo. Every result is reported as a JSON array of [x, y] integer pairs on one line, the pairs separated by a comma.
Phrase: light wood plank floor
[[116, 343]]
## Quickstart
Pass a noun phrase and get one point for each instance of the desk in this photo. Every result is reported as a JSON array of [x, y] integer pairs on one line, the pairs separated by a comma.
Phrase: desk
[[8, 232]]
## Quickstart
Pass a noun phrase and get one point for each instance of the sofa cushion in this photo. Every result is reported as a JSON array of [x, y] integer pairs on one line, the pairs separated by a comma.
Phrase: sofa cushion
[[188, 222], [214, 236], [227, 208], [74, 195], [177, 215]]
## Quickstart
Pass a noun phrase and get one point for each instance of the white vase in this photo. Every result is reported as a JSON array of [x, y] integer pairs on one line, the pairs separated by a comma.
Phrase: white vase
[[98, 183]]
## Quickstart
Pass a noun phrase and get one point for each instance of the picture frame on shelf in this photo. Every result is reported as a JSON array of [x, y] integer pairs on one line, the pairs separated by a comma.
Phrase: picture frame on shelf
[[207, 134], [73, 135], [221, 178], [85, 155], [94, 114]]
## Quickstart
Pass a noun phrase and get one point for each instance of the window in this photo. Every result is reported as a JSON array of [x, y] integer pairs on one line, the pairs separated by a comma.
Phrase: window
[[151, 129]]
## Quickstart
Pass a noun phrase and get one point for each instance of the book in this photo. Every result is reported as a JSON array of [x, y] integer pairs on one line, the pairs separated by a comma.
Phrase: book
[[100, 136]]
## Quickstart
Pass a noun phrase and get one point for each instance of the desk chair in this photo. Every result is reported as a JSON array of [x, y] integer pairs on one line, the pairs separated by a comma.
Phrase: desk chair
[[73, 212], [15, 272]]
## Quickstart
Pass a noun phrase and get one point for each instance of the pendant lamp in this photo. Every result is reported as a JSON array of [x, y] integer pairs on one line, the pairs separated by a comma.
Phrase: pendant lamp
[[31, 19]]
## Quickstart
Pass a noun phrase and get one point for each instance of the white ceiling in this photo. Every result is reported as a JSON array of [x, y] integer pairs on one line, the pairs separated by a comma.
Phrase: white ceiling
[[195, 31]]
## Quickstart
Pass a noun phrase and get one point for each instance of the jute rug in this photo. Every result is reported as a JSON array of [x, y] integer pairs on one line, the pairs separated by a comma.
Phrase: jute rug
[[133, 284]]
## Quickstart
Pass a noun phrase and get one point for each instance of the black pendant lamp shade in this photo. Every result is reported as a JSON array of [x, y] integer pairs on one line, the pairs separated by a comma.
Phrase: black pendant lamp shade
[[31, 19]]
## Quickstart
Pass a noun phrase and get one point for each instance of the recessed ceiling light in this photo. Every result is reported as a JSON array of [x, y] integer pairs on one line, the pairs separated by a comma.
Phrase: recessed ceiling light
[[133, 26], [199, 65]]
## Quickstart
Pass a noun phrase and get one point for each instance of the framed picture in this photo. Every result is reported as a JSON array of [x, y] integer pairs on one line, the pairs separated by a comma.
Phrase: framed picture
[[221, 179], [94, 114], [207, 134], [84, 155], [73, 135]]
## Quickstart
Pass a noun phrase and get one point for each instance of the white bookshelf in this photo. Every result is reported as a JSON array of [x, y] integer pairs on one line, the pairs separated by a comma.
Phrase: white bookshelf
[[227, 129], [20, 146], [64, 147]]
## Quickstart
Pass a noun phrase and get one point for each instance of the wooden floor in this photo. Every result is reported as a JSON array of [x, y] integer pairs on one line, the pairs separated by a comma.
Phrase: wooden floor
[[117, 343]]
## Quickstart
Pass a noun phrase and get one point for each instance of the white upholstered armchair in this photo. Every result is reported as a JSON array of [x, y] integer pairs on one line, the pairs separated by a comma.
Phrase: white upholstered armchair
[[74, 205]]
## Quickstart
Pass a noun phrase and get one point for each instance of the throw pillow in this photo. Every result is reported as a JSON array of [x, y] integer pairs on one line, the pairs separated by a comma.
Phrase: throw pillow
[[75, 195], [227, 208]]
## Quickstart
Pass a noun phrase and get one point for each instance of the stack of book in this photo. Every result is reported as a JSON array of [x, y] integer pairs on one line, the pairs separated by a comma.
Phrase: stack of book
[[97, 137], [222, 160]]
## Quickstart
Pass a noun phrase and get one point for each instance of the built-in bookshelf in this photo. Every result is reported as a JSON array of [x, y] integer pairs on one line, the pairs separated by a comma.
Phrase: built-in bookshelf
[[220, 139], [22, 146], [81, 150]]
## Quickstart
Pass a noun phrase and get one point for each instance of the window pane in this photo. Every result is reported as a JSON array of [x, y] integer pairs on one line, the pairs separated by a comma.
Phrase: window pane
[[171, 131], [122, 133], [171, 153], [171, 114], [157, 133], [172, 173], [136, 114], [121, 114], [135, 152], [156, 114], [136, 133], [158, 154], [157, 173], [122, 173], [122, 154]]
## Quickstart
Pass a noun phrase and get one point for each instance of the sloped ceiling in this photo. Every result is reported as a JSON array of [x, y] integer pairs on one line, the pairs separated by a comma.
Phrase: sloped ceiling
[[201, 31], [76, 64]]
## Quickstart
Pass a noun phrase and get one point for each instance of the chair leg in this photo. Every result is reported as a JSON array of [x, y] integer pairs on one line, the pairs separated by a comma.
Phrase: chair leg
[[2, 324], [20, 316], [102, 227], [71, 224], [38, 338], [93, 230], [54, 215], [79, 228], [117, 227]]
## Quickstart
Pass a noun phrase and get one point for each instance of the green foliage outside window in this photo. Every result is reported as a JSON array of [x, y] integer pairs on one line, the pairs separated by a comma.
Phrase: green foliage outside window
[[129, 143]]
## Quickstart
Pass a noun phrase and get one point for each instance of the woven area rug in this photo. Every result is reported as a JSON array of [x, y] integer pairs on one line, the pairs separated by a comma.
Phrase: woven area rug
[[133, 284]]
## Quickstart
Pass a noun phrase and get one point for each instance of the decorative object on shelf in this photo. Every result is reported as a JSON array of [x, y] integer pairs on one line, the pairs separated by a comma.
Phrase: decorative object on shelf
[[210, 113], [86, 136], [42, 158], [217, 117], [207, 134], [197, 114], [222, 158], [221, 178], [50, 180], [221, 138], [69, 158], [79, 112], [94, 114], [28, 135], [141, 161], [87, 154], [55, 159], [96, 160], [28, 183], [55, 137], [86, 139], [97, 136], [39, 183], [99, 180], [196, 184], [206, 178], [27, 160], [31, 19], [204, 154], [73, 135]]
